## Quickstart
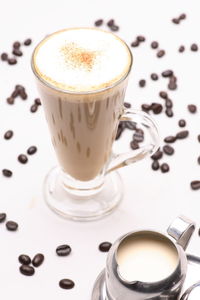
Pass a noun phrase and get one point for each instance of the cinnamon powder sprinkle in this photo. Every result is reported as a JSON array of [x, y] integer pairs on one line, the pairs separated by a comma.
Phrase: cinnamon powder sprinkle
[[78, 57]]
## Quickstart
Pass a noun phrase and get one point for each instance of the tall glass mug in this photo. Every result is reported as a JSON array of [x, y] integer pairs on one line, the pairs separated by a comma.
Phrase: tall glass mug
[[82, 75]]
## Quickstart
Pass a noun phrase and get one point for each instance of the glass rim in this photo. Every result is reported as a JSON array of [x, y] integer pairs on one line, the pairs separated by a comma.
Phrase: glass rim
[[58, 89]]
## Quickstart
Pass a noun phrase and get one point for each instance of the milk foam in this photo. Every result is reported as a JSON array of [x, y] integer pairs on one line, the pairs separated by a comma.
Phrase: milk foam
[[82, 59]]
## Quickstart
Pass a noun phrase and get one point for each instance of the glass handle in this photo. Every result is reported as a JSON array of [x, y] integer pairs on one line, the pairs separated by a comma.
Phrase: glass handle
[[144, 122]]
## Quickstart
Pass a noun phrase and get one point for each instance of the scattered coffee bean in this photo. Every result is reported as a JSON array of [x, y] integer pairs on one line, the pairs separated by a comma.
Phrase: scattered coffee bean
[[164, 168], [8, 134], [135, 43], [172, 86], [157, 155], [130, 125], [11, 225], [37, 101], [63, 250], [2, 217], [195, 185], [15, 93], [154, 76], [181, 49], [16, 45], [7, 173], [154, 45], [142, 83], [198, 160], [192, 108], [169, 103], [155, 165], [27, 42], [175, 21], [23, 94], [22, 158], [182, 16], [114, 28], [167, 149], [105, 246], [156, 108], [163, 95], [182, 123], [110, 23], [66, 284], [10, 100], [4, 56], [146, 107], [169, 112], [31, 150], [12, 61], [138, 137], [182, 134], [140, 38], [160, 53], [167, 73], [198, 138], [24, 259], [194, 47], [33, 108], [27, 270], [98, 22], [134, 145], [170, 139], [38, 260], [127, 104], [17, 52]]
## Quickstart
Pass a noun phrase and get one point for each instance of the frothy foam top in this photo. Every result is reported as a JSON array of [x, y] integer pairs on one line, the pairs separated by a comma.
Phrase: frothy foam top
[[82, 59]]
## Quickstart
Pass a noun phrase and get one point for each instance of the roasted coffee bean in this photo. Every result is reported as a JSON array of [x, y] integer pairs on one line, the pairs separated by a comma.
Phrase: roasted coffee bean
[[10, 100], [63, 250], [4, 56], [37, 101], [167, 73], [37, 260], [110, 23], [11, 225], [160, 53], [146, 107], [198, 138], [127, 104], [98, 22], [27, 42], [135, 43], [114, 28], [24, 259], [2, 217], [31, 150], [182, 16], [7, 173], [181, 49], [172, 86], [156, 108], [17, 52], [182, 123], [169, 112], [130, 125], [173, 79], [27, 270], [134, 145], [182, 134], [142, 83], [170, 139], [198, 160], [164, 168], [154, 76], [23, 94], [15, 93], [34, 108], [66, 284], [105, 246], [19, 87], [8, 134], [119, 132], [157, 155], [192, 108], [175, 21], [140, 38], [12, 61], [22, 158], [195, 185], [169, 103], [16, 45], [138, 137], [167, 149], [163, 95], [154, 45], [155, 165], [194, 47]]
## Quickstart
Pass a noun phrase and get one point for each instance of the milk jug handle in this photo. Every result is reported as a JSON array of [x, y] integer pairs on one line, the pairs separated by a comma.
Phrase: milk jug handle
[[181, 230]]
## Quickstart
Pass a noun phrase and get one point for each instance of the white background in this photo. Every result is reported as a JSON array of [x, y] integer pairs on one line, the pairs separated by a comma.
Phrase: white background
[[151, 200]]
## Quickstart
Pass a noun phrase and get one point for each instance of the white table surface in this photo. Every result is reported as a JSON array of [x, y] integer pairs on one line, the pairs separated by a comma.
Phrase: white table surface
[[151, 199]]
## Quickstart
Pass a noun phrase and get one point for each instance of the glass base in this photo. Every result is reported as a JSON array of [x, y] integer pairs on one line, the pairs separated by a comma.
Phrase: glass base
[[82, 207]]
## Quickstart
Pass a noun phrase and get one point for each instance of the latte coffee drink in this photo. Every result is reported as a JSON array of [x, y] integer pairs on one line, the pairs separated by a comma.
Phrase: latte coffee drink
[[146, 257], [83, 76]]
